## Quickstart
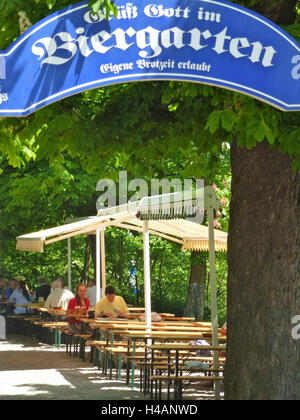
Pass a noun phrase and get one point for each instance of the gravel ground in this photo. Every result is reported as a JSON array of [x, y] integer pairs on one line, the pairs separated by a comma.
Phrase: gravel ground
[[30, 370]]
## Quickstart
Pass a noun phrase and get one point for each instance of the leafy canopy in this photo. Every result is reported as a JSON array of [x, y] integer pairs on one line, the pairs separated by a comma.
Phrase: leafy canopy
[[139, 122]]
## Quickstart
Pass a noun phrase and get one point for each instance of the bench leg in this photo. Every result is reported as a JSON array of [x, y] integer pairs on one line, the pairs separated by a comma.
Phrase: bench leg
[[119, 367]]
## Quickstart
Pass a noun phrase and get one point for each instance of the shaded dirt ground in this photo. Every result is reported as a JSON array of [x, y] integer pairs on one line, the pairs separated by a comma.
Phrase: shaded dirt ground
[[30, 370]]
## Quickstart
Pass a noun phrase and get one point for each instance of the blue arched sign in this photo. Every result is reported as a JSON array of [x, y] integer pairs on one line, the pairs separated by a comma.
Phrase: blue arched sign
[[206, 41]]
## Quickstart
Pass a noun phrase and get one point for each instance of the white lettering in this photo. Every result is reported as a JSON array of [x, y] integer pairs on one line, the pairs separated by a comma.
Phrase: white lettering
[[160, 65], [157, 11], [236, 44], [296, 329], [121, 38], [220, 41], [90, 17], [255, 56], [3, 97], [296, 69], [141, 41], [166, 38], [188, 65], [2, 68], [196, 38], [268, 57], [124, 12], [208, 16], [83, 43], [51, 47], [62, 47], [115, 68], [98, 45]]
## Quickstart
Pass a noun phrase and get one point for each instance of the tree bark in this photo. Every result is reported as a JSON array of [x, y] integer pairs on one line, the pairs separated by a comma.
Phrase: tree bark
[[196, 289], [264, 276]]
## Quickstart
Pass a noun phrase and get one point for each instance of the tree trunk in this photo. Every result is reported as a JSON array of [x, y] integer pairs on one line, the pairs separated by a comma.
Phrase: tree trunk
[[196, 290], [264, 276]]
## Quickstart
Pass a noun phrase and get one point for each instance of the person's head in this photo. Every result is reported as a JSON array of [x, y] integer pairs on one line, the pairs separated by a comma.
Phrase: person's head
[[110, 293], [56, 284], [62, 281], [91, 283], [13, 284], [43, 280], [81, 291], [23, 287]]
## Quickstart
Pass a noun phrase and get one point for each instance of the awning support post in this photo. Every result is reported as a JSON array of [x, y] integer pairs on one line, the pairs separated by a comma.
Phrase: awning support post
[[69, 264], [147, 274], [103, 263], [98, 264], [213, 292]]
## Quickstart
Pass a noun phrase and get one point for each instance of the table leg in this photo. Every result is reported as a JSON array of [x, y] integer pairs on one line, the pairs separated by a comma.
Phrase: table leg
[[176, 383], [133, 365], [169, 374]]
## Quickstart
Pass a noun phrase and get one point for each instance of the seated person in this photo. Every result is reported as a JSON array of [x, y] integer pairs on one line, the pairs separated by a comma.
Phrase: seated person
[[13, 284], [58, 298], [81, 302], [63, 286], [112, 306], [43, 291], [91, 292], [21, 296]]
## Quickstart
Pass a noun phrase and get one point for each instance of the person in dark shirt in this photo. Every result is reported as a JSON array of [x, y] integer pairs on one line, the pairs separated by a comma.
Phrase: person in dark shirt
[[43, 291]]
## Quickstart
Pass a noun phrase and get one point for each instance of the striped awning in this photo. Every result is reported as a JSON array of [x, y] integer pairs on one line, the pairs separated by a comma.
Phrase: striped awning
[[186, 232], [203, 245]]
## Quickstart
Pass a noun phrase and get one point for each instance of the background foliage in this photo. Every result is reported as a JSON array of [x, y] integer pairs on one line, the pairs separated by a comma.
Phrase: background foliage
[[51, 161]]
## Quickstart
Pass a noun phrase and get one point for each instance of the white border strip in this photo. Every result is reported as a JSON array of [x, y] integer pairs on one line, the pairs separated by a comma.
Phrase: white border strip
[[154, 76]]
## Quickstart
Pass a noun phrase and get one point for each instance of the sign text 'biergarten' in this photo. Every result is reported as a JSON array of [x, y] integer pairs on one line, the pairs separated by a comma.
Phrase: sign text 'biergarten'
[[206, 41]]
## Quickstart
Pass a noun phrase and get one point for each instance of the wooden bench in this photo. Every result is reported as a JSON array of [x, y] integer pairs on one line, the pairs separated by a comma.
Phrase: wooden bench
[[13, 323], [80, 339], [178, 383]]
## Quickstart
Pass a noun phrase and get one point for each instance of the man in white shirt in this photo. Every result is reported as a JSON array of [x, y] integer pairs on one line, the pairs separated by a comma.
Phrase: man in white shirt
[[58, 298]]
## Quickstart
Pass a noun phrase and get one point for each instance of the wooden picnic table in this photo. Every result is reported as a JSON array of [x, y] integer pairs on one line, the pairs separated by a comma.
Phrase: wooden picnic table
[[176, 318], [178, 347], [130, 309], [133, 336]]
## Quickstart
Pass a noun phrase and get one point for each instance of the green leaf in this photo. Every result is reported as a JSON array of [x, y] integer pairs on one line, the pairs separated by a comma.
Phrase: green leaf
[[50, 3], [213, 122], [229, 118]]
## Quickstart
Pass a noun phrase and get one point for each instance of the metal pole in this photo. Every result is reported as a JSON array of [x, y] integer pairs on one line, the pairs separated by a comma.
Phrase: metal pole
[[69, 264], [147, 274], [213, 292], [103, 263], [98, 264]]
